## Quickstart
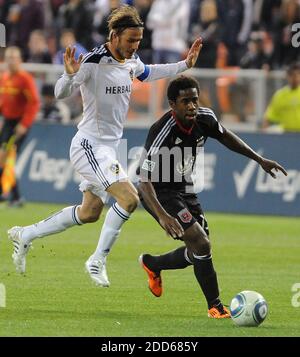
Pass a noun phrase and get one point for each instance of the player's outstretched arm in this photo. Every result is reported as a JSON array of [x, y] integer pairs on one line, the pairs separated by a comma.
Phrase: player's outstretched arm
[[194, 53], [154, 72], [71, 64], [235, 143], [73, 77]]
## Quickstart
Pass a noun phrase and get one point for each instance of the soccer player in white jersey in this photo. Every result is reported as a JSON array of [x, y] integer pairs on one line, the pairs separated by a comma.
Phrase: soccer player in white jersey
[[105, 77]]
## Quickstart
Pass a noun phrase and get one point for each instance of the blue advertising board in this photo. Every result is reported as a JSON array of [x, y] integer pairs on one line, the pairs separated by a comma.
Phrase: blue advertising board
[[232, 183]]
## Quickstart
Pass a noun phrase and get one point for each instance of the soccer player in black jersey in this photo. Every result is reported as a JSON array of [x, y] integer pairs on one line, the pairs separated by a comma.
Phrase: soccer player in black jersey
[[166, 187]]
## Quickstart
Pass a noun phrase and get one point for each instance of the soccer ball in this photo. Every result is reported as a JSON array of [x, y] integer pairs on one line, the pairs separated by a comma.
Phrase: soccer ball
[[248, 308]]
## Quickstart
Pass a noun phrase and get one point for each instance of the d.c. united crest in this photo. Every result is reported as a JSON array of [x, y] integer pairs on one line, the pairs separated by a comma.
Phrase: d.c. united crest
[[185, 215]]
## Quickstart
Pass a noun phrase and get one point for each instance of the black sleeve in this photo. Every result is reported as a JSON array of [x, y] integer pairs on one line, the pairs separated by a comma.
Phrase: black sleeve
[[212, 126]]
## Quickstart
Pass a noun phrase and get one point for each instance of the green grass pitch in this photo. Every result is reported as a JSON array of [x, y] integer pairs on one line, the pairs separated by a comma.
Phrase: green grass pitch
[[56, 297]]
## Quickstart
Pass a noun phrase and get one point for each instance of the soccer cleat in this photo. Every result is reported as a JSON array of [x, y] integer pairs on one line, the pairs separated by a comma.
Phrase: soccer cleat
[[154, 280], [20, 249], [219, 312], [97, 271]]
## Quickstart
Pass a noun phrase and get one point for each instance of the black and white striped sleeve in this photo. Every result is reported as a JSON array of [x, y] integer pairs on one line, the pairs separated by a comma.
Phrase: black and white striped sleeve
[[157, 139]]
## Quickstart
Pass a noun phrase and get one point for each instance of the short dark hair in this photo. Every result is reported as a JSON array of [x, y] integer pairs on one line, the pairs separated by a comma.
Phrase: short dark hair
[[122, 18], [181, 83], [295, 66]]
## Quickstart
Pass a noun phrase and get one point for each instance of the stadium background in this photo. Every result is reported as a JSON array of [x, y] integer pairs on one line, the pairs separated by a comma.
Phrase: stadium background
[[260, 253]]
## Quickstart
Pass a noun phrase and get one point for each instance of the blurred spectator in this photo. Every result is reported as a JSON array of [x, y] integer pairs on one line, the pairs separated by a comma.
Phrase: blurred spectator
[[236, 21], [168, 20], [145, 50], [53, 110], [285, 53], [77, 15], [102, 28], [257, 56], [68, 39], [54, 6], [266, 14], [19, 104], [38, 49], [4, 7], [24, 16], [208, 28], [284, 108]]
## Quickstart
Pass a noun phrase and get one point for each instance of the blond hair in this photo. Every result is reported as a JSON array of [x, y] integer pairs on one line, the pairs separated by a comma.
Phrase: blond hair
[[122, 18]]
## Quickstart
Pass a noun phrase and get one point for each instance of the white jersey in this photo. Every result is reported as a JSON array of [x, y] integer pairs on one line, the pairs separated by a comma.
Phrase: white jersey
[[106, 85]]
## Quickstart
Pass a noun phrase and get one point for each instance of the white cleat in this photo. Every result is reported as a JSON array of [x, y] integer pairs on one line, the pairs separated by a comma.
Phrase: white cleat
[[20, 249], [97, 271]]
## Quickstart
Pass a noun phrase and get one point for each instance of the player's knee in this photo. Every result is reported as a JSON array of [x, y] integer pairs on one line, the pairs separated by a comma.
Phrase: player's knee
[[130, 202], [89, 215], [203, 246], [198, 242]]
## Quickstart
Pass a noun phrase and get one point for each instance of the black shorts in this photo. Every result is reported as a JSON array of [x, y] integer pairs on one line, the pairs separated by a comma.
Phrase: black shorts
[[183, 206], [7, 132]]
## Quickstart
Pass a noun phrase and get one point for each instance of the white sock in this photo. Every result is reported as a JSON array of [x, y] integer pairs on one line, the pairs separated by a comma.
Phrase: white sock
[[115, 217], [56, 223]]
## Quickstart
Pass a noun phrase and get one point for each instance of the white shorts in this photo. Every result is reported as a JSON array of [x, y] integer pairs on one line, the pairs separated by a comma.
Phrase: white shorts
[[97, 163]]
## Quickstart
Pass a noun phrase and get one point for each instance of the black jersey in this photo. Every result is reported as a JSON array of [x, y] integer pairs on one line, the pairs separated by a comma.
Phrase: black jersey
[[171, 150]]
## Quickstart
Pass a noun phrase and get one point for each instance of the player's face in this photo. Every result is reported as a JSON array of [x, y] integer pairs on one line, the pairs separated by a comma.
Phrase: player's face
[[294, 79], [186, 105], [128, 42], [13, 59]]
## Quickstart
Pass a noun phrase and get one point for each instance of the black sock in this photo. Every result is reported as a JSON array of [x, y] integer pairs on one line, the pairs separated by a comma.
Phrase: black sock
[[15, 195], [207, 279], [176, 259]]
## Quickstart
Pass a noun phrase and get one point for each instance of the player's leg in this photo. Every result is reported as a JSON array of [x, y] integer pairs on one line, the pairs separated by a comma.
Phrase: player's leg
[[22, 237], [127, 200], [154, 264], [109, 177], [197, 250], [198, 243], [179, 258]]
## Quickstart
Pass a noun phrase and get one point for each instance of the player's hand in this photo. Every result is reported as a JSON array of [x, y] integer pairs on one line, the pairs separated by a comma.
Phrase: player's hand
[[269, 165], [20, 130], [70, 63], [171, 226], [194, 52]]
